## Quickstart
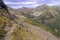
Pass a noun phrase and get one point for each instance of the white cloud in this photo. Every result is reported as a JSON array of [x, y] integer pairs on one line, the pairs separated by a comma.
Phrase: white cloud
[[20, 2], [16, 7], [51, 4], [20, 6], [30, 3], [36, 5], [54, 3]]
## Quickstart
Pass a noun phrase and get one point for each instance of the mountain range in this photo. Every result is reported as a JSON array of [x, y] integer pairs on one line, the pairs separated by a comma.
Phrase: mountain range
[[40, 23]]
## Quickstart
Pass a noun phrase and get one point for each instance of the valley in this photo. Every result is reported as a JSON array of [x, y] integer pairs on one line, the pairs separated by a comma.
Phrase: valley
[[40, 23]]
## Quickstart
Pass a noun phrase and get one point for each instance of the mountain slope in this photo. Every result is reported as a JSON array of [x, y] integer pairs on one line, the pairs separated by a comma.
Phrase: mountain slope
[[47, 19], [19, 30], [47, 16], [34, 32], [6, 20], [41, 33]]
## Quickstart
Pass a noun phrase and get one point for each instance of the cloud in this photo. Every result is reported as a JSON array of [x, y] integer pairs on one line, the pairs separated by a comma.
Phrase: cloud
[[30, 3], [20, 6], [51, 4], [20, 2], [54, 2]]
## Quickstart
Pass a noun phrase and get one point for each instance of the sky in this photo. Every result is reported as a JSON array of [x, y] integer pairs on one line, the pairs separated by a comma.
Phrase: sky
[[15, 4]]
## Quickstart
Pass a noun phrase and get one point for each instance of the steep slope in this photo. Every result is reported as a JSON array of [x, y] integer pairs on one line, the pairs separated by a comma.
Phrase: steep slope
[[12, 11], [45, 35], [49, 16], [20, 31], [44, 9], [30, 32], [43, 15], [6, 20], [25, 10]]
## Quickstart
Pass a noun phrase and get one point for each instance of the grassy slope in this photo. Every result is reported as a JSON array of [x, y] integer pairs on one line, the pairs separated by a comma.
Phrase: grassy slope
[[36, 23], [3, 22], [22, 34]]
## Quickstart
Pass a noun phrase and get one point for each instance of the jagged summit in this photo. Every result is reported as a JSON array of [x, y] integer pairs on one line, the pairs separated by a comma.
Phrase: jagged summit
[[2, 5]]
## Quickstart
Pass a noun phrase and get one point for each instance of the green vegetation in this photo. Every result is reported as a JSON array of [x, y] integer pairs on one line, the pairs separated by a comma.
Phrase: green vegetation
[[22, 34], [34, 22], [4, 21], [49, 19], [45, 27], [19, 34]]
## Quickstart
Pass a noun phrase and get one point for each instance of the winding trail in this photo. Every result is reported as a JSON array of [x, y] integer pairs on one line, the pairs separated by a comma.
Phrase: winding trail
[[8, 34], [41, 33]]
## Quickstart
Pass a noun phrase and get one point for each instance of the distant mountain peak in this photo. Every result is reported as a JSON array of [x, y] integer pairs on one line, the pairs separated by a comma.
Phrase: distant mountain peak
[[44, 5], [24, 7]]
